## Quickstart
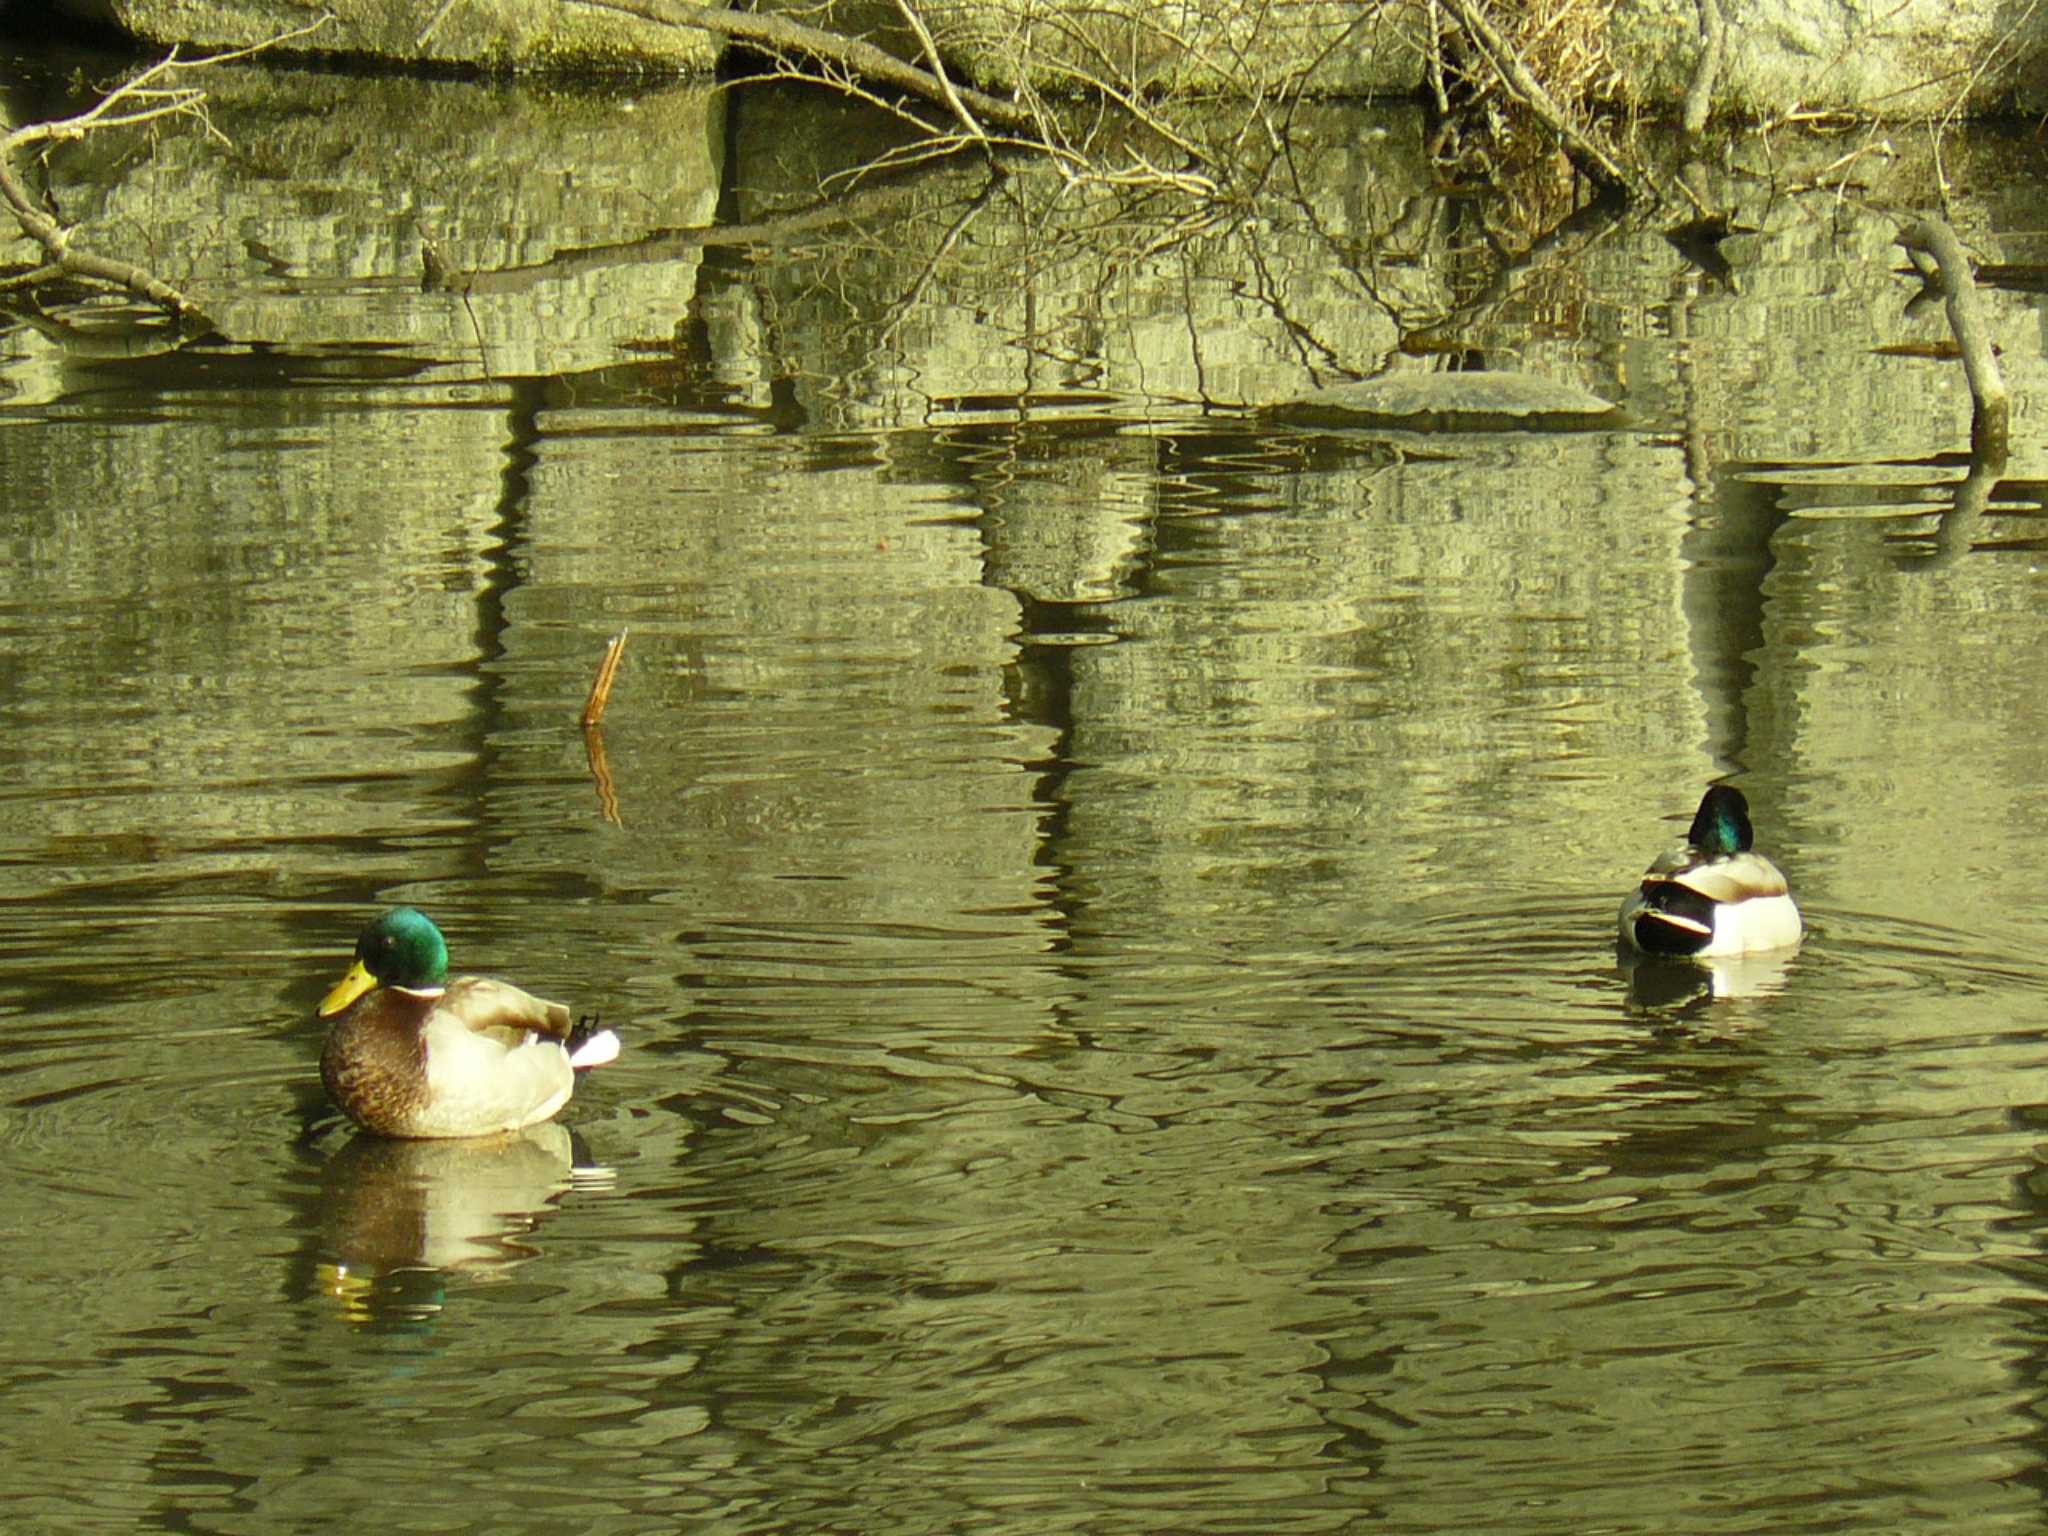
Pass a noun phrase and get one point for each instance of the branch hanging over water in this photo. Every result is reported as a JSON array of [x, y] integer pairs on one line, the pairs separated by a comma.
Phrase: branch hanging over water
[[148, 97], [778, 34]]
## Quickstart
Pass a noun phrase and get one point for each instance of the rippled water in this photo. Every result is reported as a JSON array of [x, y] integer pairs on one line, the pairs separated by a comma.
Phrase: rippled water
[[1111, 920], [1182, 1077]]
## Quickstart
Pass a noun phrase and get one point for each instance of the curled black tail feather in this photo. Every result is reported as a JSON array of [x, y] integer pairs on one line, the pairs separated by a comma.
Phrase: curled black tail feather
[[591, 1045]]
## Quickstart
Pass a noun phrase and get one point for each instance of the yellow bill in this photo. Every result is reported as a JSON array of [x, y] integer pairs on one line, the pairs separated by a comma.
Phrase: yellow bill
[[347, 990]]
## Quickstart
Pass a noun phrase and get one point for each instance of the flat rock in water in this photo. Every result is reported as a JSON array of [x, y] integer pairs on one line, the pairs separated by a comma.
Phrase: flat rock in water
[[1479, 401]]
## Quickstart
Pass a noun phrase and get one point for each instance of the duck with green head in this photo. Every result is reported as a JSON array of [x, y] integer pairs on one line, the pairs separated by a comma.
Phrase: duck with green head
[[413, 1053], [1714, 894]]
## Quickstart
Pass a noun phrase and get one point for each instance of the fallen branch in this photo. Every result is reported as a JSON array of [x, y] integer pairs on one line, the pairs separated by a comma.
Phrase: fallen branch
[[1945, 274], [779, 34], [144, 99], [828, 220]]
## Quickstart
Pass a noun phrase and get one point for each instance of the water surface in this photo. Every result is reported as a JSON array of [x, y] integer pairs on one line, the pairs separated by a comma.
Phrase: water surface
[[1109, 902]]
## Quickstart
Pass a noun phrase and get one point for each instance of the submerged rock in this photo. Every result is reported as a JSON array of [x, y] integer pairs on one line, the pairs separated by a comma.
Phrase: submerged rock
[[1479, 401]]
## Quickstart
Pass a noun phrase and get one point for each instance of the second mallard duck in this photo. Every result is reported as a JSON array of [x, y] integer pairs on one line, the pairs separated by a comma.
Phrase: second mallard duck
[[414, 1053], [1715, 895]]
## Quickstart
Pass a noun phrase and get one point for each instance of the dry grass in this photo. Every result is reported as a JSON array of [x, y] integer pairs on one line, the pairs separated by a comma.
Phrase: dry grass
[[1564, 43]]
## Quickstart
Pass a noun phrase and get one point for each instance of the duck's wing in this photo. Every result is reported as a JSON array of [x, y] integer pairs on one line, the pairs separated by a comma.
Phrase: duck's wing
[[1739, 877], [489, 1077], [489, 1006]]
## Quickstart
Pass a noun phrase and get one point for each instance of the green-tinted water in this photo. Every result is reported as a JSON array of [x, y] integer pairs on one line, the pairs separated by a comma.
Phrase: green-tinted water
[[1109, 905]]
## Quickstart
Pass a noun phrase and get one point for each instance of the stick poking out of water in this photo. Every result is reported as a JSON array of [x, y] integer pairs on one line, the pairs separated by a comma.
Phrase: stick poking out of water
[[1945, 274], [607, 674]]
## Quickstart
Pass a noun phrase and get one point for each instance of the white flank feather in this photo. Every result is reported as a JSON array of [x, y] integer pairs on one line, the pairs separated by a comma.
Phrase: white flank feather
[[595, 1051]]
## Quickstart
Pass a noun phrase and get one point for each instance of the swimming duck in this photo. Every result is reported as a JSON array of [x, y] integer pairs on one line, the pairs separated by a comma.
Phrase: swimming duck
[[416, 1054], [1715, 895]]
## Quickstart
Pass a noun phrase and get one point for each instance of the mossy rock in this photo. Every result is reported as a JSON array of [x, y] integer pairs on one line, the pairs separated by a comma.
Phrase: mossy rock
[[1483, 400]]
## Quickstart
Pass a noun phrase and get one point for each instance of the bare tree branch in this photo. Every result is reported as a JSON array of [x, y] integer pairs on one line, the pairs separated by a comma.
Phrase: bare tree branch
[[938, 67], [781, 34], [139, 100]]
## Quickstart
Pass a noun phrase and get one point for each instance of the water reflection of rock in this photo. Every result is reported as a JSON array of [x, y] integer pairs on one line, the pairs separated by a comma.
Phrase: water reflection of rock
[[397, 1217], [344, 212]]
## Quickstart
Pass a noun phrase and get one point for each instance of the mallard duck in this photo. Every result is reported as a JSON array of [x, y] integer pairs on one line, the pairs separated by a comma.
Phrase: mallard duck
[[415, 1054], [1715, 895]]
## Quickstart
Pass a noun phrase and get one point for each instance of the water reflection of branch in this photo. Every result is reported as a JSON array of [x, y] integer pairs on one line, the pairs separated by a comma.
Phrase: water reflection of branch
[[1408, 232], [670, 244], [1960, 524], [601, 774], [98, 337], [1578, 230], [899, 310], [1268, 293]]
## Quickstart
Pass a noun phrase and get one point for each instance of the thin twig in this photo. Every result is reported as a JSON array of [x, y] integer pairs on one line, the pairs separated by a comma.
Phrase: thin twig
[[938, 68]]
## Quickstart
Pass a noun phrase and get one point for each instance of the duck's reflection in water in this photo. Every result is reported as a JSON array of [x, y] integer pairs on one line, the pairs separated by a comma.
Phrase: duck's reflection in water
[[1663, 983], [398, 1217]]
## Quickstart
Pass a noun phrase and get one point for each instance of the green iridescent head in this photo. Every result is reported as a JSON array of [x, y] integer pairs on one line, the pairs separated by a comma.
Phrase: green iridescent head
[[402, 948], [1721, 825]]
